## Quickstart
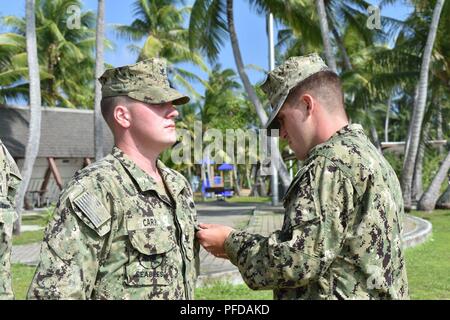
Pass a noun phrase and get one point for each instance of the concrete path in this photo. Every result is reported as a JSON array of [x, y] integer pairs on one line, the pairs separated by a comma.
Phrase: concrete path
[[26, 254]]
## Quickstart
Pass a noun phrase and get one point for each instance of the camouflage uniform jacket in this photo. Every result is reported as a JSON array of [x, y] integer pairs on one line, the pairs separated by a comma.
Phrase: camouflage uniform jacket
[[9, 182], [341, 236], [116, 234]]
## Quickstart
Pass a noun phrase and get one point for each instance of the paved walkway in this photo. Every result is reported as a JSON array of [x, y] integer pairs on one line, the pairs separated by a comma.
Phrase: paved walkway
[[255, 218], [212, 268]]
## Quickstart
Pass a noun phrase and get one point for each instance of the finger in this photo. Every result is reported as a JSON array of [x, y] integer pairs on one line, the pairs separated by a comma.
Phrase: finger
[[222, 256], [206, 225]]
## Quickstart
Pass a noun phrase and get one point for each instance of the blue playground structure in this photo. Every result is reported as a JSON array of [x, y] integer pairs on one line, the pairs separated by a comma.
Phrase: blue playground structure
[[220, 187]]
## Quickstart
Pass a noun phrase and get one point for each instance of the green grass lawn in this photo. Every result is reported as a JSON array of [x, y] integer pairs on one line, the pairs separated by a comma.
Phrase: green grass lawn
[[28, 237], [227, 291], [248, 199], [427, 264], [22, 276], [39, 220]]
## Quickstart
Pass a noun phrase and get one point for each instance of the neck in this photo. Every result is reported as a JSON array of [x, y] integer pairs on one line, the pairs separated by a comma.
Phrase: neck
[[334, 125], [145, 158]]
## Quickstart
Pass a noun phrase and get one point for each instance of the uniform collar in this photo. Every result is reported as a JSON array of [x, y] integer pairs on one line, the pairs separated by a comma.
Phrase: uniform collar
[[354, 127], [144, 181], [343, 131]]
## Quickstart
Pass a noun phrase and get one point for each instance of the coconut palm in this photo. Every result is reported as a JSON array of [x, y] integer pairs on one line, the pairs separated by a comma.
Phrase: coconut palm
[[64, 53], [14, 68], [34, 134], [99, 67], [323, 22], [430, 197], [419, 108], [160, 24], [210, 22]]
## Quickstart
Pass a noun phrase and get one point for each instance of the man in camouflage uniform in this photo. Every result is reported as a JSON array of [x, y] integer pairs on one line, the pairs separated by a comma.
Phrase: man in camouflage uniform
[[124, 226], [341, 236], [9, 182]]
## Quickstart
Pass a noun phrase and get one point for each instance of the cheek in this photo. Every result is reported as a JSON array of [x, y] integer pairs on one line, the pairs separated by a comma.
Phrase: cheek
[[148, 120]]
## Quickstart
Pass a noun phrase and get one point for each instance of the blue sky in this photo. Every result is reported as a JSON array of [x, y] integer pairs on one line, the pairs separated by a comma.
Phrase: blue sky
[[250, 28]]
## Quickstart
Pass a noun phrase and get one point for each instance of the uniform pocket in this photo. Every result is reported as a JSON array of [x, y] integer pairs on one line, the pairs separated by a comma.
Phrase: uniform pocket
[[150, 253]]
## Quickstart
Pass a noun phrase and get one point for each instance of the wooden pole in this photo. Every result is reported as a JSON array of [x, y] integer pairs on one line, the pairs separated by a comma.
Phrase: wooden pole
[[87, 162], [44, 184], [55, 172]]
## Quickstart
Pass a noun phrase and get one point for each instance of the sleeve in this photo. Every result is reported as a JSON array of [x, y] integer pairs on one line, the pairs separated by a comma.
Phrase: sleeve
[[73, 246], [8, 185], [311, 238], [6, 223]]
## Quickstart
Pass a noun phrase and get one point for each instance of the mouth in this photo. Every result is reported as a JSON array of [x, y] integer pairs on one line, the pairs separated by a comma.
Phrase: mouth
[[170, 126]]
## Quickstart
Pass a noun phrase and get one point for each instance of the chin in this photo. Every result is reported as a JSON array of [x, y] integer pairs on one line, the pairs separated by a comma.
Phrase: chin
[[170, 142], [300, 156]]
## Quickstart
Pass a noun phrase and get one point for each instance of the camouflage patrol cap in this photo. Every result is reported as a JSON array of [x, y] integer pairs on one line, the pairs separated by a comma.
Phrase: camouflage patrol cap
[[145, 81], [285, 77]]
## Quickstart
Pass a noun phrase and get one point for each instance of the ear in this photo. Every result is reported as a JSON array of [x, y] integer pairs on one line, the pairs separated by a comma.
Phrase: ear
[[122, 116], [310, 103]]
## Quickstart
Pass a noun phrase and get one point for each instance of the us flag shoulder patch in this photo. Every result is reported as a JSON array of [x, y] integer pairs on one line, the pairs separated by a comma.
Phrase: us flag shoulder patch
[[92, 209]]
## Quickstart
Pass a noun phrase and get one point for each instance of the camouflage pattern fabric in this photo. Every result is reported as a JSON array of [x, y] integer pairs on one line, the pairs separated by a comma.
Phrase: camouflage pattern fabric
[[9, 182], [341, 236], [285, 77], [145, 81], [117, 234]]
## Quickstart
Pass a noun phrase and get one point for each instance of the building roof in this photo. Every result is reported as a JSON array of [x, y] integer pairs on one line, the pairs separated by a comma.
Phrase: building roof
[[65, 133]]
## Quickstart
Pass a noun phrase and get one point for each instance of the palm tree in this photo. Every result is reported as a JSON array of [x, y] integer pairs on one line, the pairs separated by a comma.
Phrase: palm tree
[[325, 34], [66, 54], [429, 198], [14, 68], [419, 109], [99, 67], [160, 23], [35, 109], [210, 21], [444, 200]]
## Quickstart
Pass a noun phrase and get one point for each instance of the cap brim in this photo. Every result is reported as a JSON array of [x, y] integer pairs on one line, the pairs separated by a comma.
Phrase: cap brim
[[156, 95], [273, 122]]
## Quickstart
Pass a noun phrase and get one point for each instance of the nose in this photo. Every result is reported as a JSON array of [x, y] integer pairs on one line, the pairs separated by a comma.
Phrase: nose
[[283, 132], [172, 112]]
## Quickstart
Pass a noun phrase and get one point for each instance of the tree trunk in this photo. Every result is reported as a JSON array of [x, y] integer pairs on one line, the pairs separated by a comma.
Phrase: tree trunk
[[430, 197], [203, 179], [375, 139], [419, 108], [247, 175], [262, 186], [417, 186], [99, 68], [440, 135], [254, 190], [444, 200], [282, 169], [34, 132], [347, 63], [323, 22], [386, 121], [237, 189]]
